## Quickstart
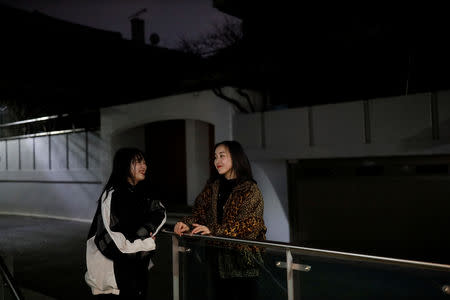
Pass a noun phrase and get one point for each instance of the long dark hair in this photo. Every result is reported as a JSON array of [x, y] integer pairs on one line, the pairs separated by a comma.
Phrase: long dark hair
[[120, 173], [240, 163]]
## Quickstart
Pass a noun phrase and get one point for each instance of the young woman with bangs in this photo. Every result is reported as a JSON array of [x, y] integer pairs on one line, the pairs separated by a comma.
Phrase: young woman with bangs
[[121, 239]]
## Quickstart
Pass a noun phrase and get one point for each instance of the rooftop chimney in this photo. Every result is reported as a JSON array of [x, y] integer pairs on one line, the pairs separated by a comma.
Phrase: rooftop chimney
[[137, 30]]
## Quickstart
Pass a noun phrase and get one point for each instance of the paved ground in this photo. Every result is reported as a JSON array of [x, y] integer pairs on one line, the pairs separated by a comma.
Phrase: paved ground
[[48, 254]]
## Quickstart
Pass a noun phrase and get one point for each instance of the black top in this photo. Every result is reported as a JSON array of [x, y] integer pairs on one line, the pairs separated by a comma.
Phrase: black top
[[225, 188], [130, 206]]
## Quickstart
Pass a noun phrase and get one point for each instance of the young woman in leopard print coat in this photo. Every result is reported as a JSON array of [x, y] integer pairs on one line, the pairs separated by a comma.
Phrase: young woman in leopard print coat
[[230, 205]]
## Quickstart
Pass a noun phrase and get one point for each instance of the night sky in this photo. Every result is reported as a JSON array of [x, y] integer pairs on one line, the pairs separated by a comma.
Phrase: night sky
[[326, 54], [170, 19]]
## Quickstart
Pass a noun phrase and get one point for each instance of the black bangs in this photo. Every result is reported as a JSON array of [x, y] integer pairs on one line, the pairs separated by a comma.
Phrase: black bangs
[[138, 157]]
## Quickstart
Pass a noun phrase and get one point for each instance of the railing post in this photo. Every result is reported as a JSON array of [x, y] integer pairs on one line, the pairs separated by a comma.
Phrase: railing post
[[289, 275], [175, 268]]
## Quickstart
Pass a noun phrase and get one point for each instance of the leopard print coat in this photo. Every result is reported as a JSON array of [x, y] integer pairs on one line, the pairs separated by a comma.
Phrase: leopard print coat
[[242, 218]]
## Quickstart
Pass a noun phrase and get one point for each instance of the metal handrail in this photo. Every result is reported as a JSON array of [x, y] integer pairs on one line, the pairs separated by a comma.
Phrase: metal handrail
[[33, 120], [321, 252], [46, 133], [10, 280]]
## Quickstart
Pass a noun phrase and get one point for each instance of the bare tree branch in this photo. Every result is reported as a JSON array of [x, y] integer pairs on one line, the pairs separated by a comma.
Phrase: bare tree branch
[[224, 35]]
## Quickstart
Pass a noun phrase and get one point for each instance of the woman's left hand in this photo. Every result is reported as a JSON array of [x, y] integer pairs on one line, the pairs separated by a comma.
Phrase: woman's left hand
[[202, 229]]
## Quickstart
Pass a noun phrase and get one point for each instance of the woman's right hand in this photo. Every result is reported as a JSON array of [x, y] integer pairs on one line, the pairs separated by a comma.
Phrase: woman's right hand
[[180, 227]]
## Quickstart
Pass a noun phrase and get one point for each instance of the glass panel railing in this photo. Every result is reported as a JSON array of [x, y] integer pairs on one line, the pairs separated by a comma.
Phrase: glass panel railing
[[273, 278], [292, 272], [6, 292], [337, 278], [216, 270]]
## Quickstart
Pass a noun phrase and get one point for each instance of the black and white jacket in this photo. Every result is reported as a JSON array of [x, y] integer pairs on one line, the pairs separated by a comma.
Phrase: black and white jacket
[[119, 245]]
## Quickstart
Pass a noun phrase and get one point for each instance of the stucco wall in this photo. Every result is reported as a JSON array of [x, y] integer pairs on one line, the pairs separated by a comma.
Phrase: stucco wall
[[202, 106], [407, 125]]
